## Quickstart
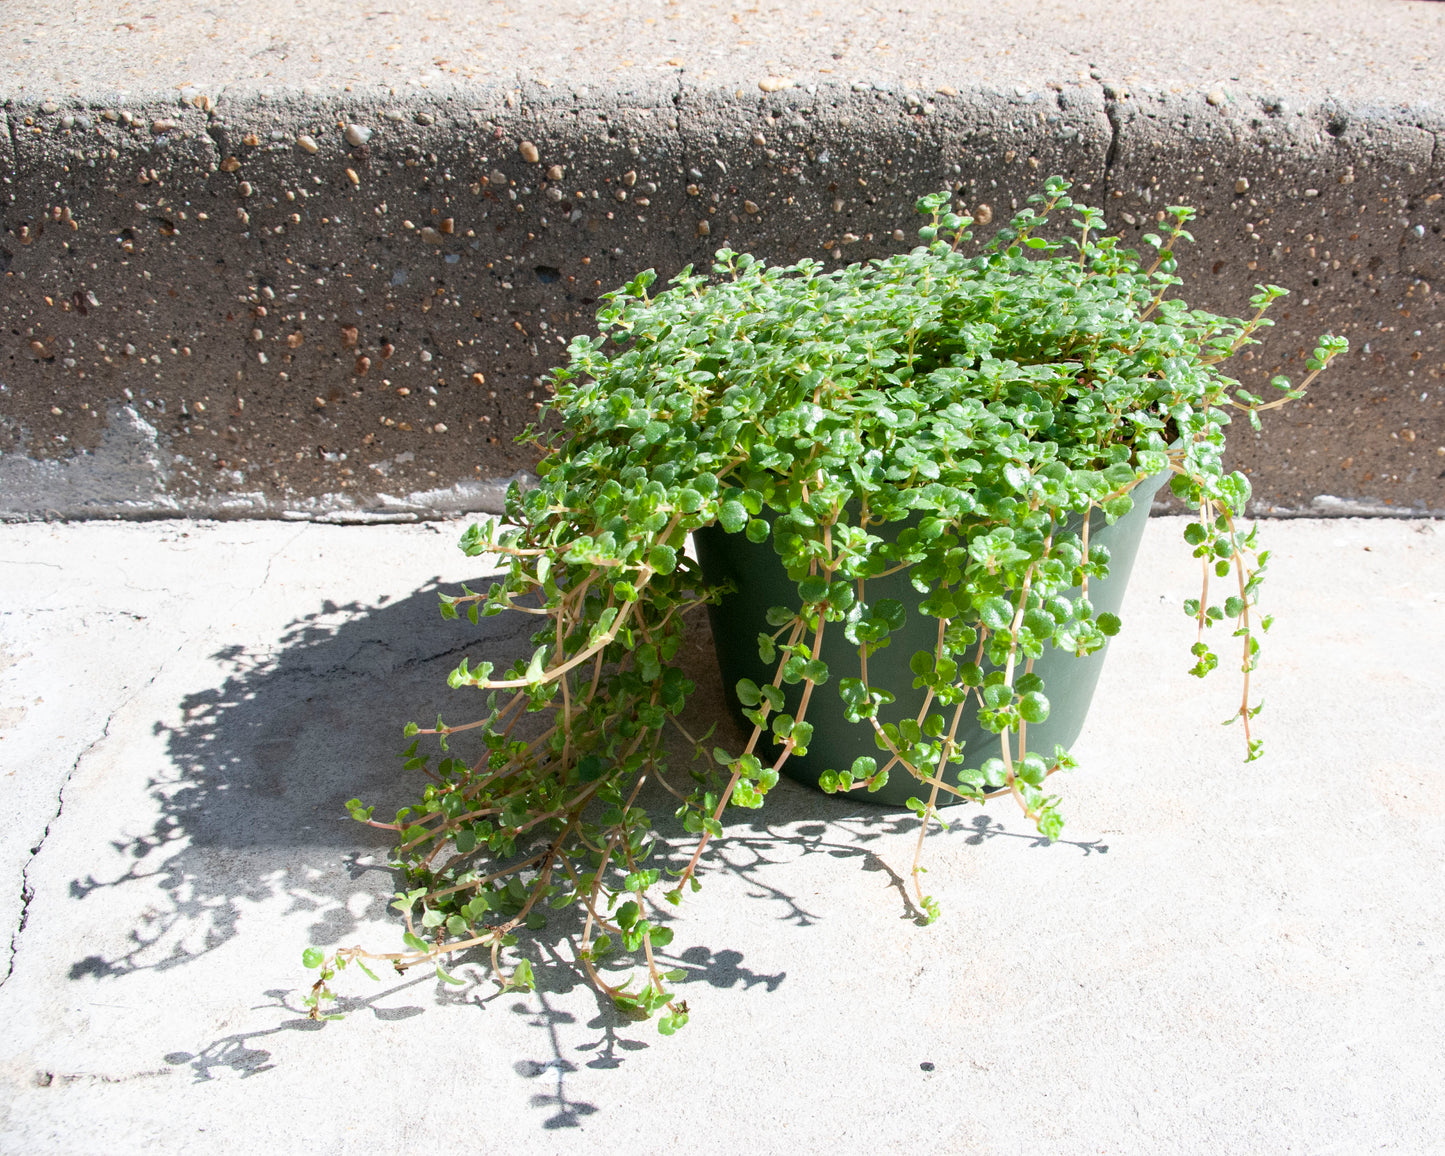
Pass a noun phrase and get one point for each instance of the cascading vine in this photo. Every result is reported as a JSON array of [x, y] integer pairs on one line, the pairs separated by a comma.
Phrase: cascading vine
[[986, 404]]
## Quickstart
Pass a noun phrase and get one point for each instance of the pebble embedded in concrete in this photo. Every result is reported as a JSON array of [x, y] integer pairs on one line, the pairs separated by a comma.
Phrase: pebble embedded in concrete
[[357, 135]]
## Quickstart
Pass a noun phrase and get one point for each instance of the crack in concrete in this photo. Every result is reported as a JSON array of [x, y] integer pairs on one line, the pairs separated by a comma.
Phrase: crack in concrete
[[1115, 118], [216, 135], [343, 669], [281, 549], [46, 1079], [416, 660], [31, 611], [13, 132], [422, 660], [27, 893], [1111, 154]]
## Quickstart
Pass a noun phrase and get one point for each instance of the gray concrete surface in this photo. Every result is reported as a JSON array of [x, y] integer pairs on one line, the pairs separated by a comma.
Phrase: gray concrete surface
[[215, 301], [1216, 958]]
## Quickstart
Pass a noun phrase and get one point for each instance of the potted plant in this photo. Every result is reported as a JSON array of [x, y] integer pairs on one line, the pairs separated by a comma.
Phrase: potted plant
[[918, 482]]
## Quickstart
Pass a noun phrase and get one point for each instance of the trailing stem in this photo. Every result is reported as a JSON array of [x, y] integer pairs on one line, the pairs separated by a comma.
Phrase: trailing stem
[[943, 414]]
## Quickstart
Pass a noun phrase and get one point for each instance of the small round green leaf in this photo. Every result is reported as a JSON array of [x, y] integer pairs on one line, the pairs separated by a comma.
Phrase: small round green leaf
[[996, 614], [1034, 707]]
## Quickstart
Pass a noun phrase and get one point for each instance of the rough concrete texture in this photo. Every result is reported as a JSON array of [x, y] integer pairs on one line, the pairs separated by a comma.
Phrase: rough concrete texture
[[260, 261], [1215, 958]]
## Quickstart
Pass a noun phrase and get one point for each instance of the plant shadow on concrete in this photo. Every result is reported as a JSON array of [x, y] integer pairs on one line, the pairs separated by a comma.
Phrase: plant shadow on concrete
[[251, 807], [250, 801]]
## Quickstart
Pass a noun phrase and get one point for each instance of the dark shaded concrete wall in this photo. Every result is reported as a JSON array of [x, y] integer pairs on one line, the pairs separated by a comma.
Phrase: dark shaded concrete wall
[[231, 308]]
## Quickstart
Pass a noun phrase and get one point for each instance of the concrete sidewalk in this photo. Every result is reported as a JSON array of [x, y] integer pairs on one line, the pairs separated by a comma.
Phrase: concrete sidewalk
[[1215, 959]]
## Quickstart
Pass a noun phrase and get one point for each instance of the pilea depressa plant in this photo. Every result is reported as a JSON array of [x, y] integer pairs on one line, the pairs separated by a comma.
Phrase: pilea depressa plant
[[959, 418]]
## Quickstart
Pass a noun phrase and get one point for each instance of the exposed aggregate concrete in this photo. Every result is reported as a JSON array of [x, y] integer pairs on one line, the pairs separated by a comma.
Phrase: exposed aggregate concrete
[[288, 298]]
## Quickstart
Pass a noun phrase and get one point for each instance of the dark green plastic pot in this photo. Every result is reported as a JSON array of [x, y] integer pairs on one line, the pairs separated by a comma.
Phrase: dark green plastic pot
[[760, 581]]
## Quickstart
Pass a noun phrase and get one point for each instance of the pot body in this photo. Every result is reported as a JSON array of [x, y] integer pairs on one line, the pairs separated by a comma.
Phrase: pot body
[[759, 581]]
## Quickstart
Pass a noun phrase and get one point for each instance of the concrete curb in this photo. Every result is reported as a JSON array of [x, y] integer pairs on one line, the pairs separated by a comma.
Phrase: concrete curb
[[310, 321]]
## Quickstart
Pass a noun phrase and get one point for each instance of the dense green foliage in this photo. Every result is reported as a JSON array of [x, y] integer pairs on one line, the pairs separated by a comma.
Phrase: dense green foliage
[[981, 400]]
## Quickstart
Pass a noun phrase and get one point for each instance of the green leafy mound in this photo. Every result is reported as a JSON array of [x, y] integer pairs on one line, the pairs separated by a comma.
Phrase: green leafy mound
[[987, 402]]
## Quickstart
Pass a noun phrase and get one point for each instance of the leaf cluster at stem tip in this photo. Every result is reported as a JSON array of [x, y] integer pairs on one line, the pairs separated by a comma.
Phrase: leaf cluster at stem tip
[[954, 414]]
